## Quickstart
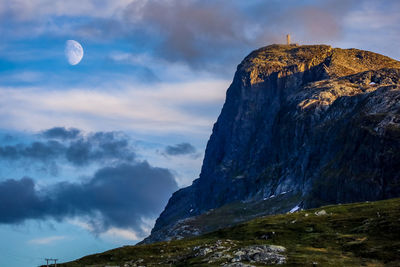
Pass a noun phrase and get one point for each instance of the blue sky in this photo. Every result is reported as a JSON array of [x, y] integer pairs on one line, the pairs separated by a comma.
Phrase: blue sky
[[90, 153]]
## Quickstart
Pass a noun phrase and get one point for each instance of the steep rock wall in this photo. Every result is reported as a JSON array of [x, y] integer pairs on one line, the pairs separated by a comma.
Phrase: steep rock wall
[[319, 122]]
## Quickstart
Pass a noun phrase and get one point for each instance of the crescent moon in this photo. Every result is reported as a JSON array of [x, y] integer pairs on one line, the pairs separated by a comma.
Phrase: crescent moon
[[73, 52]]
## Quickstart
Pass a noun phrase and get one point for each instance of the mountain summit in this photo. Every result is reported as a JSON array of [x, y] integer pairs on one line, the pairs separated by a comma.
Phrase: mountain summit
[[302, 126]]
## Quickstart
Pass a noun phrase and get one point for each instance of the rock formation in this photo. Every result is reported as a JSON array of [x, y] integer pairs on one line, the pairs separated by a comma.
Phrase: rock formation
[[317, 124]]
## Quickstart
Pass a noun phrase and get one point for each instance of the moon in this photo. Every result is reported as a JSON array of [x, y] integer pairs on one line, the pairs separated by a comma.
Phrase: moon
[[73, 52]]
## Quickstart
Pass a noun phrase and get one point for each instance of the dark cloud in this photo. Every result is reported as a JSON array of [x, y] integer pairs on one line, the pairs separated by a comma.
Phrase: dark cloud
[[61, 133], [207, 34], [119, 195], [122, 195], [180, 149], [7, 138], [201, 33], [99, 147], [188, 30], [41, 151], [9, 152], [19, 201]]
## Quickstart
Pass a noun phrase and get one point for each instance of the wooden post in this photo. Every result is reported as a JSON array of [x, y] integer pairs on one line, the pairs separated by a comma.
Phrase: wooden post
[[55, 262], [288, 39]]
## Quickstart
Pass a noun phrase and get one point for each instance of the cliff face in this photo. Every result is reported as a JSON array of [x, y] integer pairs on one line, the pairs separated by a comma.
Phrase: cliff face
[[317, 124]]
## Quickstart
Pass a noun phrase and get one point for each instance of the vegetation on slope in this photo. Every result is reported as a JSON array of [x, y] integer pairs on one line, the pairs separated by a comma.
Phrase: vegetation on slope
[[358, 234]]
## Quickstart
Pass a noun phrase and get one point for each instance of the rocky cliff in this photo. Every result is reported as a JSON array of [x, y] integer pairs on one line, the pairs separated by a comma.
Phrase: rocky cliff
[[312, 125]]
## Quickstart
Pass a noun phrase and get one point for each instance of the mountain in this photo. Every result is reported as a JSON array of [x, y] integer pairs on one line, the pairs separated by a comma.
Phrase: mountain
[[360, 234], [302, 126]]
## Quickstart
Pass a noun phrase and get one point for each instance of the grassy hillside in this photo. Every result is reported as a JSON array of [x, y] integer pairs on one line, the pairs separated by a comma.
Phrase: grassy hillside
[[226, 216], [359, 234]]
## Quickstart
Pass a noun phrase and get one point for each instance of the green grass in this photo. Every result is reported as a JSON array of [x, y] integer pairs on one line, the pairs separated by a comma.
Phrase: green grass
[[358, 234]]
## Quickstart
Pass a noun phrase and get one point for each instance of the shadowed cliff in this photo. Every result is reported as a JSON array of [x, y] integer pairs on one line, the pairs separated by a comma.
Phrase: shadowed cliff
[[311, 125]]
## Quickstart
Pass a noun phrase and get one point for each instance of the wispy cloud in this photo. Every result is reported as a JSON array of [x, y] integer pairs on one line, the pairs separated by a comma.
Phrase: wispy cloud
[[166, 39], [125, 234], [155, 108], [375, 15], [46, 240], [25, 10], [114, 233], [202, 34]]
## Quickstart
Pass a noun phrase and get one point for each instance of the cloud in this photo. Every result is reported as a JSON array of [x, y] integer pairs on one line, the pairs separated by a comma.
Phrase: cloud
[[154, 109], [122, 234], [99, 147], [114, 232], [37, 150], [25, 10], [46, 240], [213, 34], [202, 34], [165, 40], [19, 200], [80, 150], [61, 133], [119, 197], [180, 149], [184, 27]]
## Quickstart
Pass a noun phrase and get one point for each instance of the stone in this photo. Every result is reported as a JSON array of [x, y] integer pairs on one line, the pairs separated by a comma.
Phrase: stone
[[237, 264], [320, 212], [267, 254], [203, 252]]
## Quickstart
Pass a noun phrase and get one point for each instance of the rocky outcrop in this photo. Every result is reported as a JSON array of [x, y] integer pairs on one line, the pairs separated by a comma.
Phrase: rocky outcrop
[[319, 122], [266, 254], [223, 253]]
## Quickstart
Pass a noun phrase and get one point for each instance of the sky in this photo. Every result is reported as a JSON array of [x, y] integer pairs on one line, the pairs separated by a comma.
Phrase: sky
[[90, 153]]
